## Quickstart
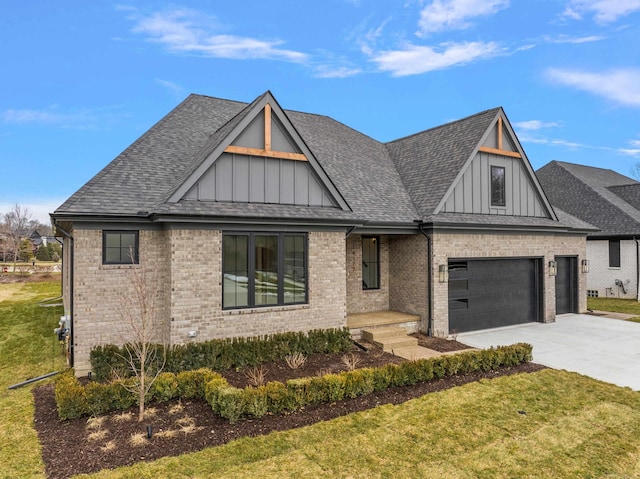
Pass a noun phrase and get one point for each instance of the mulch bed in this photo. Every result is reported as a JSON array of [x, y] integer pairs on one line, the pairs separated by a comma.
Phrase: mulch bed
[[75, 447]]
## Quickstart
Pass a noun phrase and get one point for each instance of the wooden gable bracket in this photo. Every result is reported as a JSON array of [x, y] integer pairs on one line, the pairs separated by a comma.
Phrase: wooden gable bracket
[[499, 150], [267, 151]]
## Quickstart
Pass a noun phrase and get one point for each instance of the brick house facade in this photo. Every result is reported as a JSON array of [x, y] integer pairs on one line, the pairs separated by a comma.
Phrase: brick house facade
[[277, 220]]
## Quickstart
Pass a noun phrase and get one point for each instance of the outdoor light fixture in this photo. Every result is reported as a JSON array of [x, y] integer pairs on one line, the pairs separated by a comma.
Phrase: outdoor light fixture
[[442, 273], [585, 265], [553, 268]]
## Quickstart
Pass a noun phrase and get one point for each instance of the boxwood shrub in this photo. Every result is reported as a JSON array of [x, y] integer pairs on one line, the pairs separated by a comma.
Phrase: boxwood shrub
[[224, 354], [74, 400]]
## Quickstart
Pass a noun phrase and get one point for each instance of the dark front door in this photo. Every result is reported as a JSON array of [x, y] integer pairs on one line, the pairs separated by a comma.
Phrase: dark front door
[[493, 292], [566, 284]]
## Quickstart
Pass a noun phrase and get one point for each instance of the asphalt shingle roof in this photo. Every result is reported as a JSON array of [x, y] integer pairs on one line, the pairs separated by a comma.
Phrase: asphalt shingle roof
[[396, 183], [429, 161], [598, 196]]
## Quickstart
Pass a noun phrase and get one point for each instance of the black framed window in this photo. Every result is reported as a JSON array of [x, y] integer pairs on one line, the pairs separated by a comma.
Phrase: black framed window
[[498, 197], [370, 262], [263, 269], [614, 253], [120, 247]]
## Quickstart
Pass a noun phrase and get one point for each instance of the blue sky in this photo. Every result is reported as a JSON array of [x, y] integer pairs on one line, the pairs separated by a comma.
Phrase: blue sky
[[81, 80]]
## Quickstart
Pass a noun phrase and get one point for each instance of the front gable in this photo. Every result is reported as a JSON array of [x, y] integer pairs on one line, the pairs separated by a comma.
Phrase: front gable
[[262, 159], [497, 179]]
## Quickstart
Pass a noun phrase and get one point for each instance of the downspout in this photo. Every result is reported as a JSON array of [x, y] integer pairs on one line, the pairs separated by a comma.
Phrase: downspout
[[429, 279], [637, 269], [68, 235]]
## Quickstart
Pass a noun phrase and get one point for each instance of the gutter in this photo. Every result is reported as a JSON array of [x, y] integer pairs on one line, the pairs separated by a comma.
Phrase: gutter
[[637, 269], [68, 235], [429, 279]]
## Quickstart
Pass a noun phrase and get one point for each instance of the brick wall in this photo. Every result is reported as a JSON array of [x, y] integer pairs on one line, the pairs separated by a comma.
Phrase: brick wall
[[366, 300], [188, 275], [602, 278], [408, 291], [105, 295], [454, 245]]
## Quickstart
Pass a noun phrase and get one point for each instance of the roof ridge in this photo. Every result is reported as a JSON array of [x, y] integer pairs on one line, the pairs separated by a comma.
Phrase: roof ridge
[[466, 118]]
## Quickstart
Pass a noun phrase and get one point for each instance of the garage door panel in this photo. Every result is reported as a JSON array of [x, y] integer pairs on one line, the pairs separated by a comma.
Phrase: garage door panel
[[499, 292]]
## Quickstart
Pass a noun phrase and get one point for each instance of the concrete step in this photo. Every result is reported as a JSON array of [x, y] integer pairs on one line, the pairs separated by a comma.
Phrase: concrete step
[[392, 344], [380, 334]]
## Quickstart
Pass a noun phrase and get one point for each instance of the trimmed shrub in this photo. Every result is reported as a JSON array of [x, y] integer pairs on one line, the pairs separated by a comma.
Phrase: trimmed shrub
[[256, 402], [230, 403], [192, 384], [211, 390], [224, 354], [164, 388], [71, 398]]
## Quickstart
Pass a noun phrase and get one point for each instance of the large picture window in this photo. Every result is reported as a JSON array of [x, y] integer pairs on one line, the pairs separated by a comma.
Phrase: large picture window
[[498, 186], [370, 262], [119, 247], [263, 269]]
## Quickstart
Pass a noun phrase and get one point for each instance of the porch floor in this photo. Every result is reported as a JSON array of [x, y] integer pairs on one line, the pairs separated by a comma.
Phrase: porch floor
[[379, 318]]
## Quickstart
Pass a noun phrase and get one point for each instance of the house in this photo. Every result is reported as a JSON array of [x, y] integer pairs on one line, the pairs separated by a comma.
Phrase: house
[[255, 220], [611, 202]]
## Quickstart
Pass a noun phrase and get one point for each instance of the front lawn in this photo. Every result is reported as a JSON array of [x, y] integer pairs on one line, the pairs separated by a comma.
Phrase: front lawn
[[616, 305], [551, 424]]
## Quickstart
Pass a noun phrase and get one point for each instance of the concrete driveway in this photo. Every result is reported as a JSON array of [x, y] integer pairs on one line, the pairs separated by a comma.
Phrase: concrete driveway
[[599, 347]]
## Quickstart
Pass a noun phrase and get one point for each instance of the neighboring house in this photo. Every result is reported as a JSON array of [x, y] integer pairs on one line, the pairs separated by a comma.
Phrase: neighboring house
[[611, 202], [256, 220]]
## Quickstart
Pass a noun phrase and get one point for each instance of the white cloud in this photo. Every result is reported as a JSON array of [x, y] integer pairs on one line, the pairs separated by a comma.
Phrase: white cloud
[[329, 71], [575, 40], [171, 86], [189, 31], [532, 125], [442, 15], [635, 152], [53, 116], [635, 143], [415, 59], [604, 11], [622, 86]]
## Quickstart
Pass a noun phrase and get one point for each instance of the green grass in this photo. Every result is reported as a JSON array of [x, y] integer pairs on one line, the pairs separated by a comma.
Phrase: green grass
[[28, 348], [550, 424], [616, 305]]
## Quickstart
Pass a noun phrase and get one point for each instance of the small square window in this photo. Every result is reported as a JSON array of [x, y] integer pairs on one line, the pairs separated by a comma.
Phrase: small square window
[[120, 247], [498, 197]]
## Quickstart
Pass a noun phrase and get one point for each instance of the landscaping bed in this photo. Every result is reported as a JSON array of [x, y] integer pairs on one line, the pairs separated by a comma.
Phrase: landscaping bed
[[87, 445]]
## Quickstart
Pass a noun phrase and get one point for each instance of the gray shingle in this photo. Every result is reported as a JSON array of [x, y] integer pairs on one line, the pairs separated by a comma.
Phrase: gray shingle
[[594, 195]]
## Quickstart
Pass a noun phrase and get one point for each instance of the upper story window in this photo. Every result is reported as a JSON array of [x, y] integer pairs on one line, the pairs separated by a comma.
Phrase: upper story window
[[371, 262], [498, 186], [614, 253], [120, 247], [263, 269]]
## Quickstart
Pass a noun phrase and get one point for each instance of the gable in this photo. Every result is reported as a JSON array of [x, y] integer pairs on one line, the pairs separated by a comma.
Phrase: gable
[[262, 160], [517, 188]]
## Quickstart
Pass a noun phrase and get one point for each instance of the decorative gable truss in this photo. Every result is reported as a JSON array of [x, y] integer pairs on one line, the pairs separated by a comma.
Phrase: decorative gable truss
[[262, 160], [497, 179]]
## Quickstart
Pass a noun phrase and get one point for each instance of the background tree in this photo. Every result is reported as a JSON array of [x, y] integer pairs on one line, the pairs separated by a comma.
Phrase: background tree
[[42, 254], [635, 171], [55, 250], [25, 252], [16, 227]]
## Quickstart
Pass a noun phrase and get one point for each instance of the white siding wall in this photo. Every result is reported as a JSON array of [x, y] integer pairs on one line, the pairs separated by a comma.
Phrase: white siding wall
[[601, 276]]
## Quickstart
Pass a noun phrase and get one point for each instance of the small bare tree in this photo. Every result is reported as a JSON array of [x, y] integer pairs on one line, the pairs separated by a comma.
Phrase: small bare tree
[[16, 223], [145, 347], [635, 171]]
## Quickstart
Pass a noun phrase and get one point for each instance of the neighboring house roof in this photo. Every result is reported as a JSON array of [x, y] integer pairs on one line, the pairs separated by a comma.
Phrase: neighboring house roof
[[371, 183], [601, 197]]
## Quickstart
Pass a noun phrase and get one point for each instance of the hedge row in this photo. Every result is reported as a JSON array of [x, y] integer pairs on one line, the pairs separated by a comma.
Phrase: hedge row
[[233, 403], [74, 400], [224, 354]]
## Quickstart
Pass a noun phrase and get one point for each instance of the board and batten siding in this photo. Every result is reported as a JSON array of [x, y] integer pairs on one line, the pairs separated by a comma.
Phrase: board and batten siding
[[472, 193], [254, 179], [253, 136]]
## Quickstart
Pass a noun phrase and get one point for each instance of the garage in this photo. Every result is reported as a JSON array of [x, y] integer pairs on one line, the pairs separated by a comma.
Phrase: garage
[[489, 293], [566, 284]]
